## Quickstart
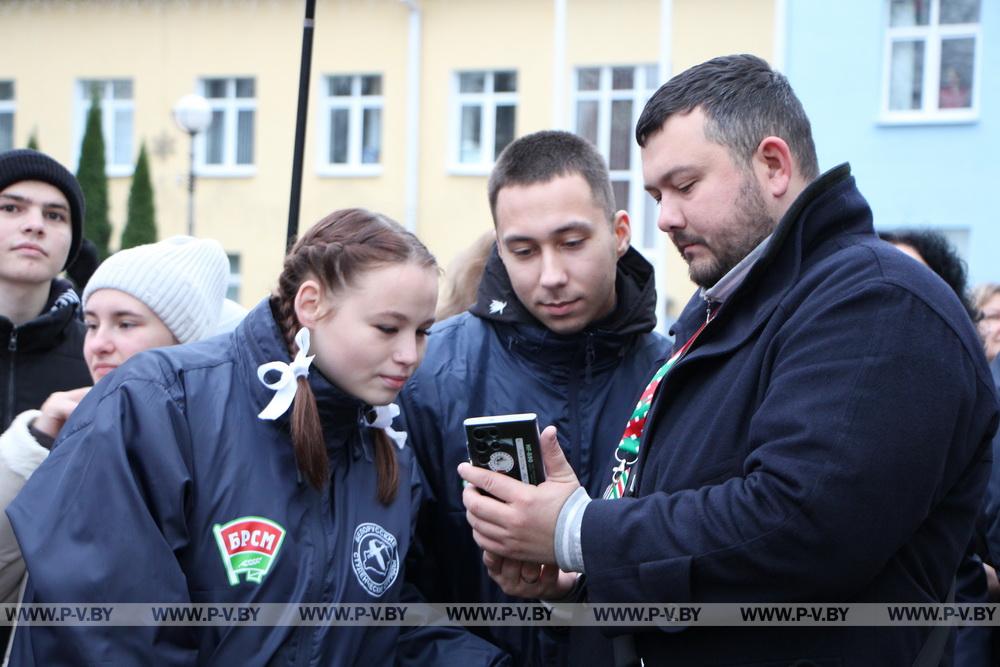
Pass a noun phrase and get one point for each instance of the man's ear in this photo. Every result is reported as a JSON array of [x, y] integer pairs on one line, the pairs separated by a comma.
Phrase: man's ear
[[774, 166], [310, 303], [621, 226]]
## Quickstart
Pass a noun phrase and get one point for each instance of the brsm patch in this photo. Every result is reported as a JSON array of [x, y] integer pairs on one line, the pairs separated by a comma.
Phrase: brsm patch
[[376, 558], [248, 545]]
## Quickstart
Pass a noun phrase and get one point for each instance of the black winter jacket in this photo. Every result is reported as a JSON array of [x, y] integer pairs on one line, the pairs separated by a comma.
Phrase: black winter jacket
[[42, 356]]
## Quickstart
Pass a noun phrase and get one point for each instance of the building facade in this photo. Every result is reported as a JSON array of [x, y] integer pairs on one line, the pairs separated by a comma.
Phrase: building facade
[[410, 102], [906, 91]]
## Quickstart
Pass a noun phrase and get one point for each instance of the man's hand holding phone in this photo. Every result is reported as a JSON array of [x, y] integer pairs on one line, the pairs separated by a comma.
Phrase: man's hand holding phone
[[519, 520]]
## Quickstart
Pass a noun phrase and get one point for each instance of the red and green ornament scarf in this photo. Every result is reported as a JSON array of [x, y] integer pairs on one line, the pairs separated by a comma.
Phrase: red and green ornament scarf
[[627, 452]]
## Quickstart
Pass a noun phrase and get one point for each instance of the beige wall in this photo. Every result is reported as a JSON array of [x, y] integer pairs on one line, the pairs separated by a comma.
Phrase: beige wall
[[599, 33], [165, 47], [703, 29], [355, 37], [453, 208]]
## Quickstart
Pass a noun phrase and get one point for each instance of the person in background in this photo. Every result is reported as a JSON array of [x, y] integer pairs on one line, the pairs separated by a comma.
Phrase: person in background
[[986, 299], [933, 250], [83, 266], [41, 230], [462, 277], [148, 296], [260, 467], [976, 575]]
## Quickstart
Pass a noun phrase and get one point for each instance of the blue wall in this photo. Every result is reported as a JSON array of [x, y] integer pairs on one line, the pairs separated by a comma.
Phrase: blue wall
[[934, 175]]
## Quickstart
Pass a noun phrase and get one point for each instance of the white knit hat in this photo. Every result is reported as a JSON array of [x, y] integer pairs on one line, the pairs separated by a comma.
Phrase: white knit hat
[[182, 280]]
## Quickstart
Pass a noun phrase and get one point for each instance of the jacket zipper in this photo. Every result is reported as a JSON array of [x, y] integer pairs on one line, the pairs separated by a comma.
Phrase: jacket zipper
[[588, 354], [12, 348]]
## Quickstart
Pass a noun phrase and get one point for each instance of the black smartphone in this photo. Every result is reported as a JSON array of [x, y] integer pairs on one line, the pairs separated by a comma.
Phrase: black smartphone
[[507, 444]]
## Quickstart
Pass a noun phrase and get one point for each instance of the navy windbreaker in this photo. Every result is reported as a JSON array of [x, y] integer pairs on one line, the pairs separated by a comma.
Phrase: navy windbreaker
[[496, 360], [164, 473]]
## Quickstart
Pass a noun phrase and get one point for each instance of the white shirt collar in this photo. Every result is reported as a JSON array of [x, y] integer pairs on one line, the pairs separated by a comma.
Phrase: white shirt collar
[[720, 291]]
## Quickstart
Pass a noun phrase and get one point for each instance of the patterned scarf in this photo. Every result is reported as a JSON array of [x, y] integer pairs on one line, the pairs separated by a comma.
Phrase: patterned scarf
[[627, 452]]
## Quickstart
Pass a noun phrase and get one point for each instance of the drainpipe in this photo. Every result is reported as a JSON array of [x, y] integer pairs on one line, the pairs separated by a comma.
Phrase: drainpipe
[[413, 51], [665, 67], [559, 119]]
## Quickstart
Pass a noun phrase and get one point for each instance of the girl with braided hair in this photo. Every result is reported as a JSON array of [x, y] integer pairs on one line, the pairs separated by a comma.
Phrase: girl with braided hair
[[259, 467]]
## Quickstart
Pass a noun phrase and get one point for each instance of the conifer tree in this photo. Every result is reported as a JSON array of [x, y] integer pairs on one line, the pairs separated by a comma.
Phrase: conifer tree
[[33, 140], [140, 225], [94, 180]]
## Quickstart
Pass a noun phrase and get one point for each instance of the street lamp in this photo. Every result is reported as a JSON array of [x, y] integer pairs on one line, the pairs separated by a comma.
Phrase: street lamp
[[193, 115]]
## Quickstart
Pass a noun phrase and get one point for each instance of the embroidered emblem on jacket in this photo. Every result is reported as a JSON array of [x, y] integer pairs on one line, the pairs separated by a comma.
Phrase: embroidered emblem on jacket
[[496, 307], [248, 545], [376, 558]]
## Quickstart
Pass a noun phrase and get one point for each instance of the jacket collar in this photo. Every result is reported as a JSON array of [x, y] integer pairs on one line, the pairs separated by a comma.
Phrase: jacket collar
[[61, 309], [258, 341], [599, 344], [635, 299]]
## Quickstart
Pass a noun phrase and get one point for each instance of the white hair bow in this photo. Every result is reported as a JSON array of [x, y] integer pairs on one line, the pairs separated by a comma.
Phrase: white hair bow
[[284, 387], [384, 414]]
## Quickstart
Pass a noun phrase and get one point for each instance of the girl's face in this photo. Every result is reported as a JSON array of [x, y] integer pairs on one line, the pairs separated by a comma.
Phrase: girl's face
[[370, 337], [118, 326]]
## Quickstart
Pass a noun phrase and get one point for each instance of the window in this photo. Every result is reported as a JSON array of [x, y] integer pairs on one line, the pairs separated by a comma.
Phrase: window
[[607, 102], [6, 115], [484, 113], [226, 148], [117, 109], [235, 278], [931, 60], [351, 126]]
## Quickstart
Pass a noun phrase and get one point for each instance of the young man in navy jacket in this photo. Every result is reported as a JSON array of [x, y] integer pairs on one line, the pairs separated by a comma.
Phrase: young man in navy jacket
[[822, 432], [563, 327]]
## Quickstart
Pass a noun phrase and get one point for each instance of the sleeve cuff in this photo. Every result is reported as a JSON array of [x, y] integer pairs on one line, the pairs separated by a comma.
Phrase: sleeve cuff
[[569, 527], [19, 450]]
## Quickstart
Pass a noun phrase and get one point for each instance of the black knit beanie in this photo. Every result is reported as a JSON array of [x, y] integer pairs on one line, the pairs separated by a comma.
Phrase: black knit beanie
[[27, 165]]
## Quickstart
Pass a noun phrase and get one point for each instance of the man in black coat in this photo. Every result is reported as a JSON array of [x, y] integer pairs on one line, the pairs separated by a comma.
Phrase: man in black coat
[[821, 433]]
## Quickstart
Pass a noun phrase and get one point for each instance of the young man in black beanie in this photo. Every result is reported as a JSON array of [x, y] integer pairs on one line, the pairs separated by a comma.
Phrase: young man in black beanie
[[41, 334]]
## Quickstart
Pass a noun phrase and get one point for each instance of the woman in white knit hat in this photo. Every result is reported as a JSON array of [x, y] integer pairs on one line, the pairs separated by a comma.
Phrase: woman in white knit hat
[[145, 297]]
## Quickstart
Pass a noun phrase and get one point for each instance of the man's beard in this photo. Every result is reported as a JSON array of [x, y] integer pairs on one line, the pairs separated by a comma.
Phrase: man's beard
[[751, 224]]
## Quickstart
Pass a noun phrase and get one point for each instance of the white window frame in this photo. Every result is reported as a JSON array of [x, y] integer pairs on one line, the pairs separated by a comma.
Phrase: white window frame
[[235, 279], [356, 104], [931, 35], [10, 107], [489, 101], [230, 106], [639, 94], [109, 108]]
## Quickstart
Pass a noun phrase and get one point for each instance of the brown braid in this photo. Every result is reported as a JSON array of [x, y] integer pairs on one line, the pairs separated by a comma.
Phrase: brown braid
[[385, 467], [334, 252], [307, 430]]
